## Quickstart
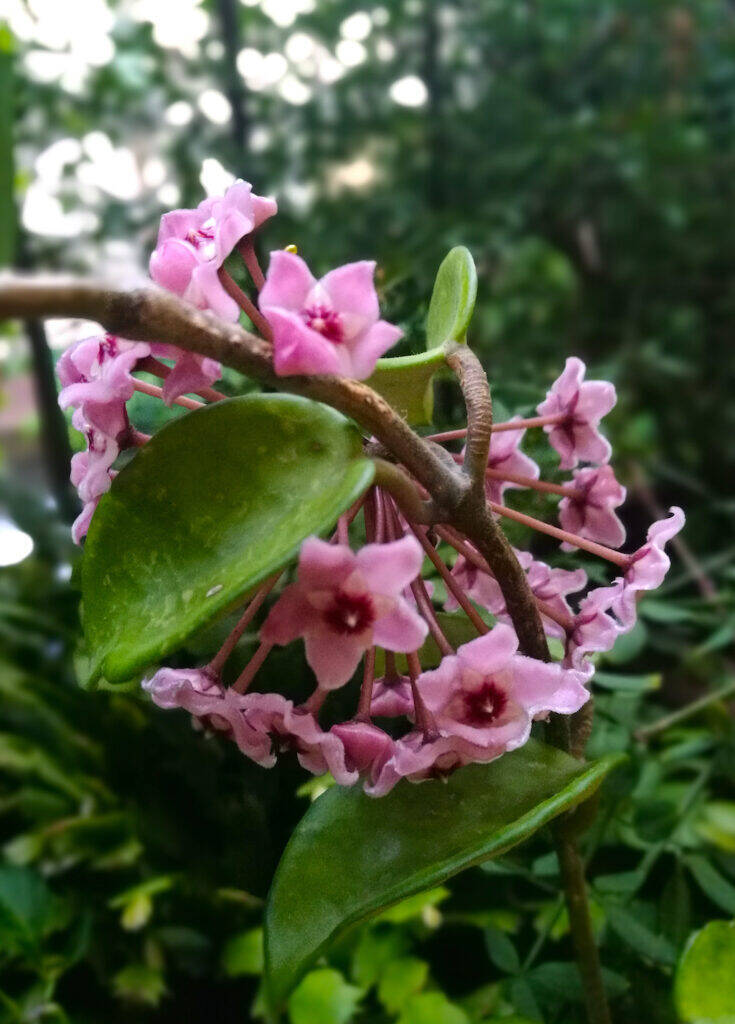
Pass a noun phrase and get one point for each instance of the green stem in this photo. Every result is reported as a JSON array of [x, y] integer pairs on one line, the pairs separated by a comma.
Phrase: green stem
[[583, 937], [681, 714]]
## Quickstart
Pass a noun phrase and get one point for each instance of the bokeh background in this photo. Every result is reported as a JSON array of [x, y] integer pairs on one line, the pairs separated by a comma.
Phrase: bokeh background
[[585, 152]]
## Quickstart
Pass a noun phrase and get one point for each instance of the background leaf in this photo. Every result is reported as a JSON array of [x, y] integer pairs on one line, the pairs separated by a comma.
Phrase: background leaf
[[323, 997], [704, 990]]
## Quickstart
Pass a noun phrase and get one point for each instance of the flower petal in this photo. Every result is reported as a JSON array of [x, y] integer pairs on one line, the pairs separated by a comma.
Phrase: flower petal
[[351, 289], [389, 568], [491, 652], [402, 629], [287, 283]]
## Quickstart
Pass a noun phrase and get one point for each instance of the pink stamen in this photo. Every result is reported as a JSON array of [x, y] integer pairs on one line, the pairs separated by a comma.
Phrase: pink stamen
[[570, 538], [366, 690], [155, 392], [247, 675], [217, 663], [534, 421], [418, 587], [424, 718], [566, 490], [462, 600], [347, 518], [235, 292], [246, 248], [314, 704]]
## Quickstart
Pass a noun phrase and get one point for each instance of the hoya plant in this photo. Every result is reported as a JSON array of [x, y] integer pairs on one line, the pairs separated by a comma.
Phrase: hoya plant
[[466, 666]]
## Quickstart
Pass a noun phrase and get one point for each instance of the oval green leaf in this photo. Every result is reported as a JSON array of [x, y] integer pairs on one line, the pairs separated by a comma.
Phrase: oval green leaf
[[210, 507], [704, 990], [352, 856], [453, 298], [407, 383]]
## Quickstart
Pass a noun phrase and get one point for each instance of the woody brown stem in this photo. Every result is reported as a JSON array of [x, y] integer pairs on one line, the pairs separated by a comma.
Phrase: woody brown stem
[[473, 382]]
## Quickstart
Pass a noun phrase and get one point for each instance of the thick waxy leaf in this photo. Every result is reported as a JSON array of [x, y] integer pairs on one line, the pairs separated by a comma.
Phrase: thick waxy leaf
[[407, 383], [351, 856], [704, 991], [210, 507], [453, 298]]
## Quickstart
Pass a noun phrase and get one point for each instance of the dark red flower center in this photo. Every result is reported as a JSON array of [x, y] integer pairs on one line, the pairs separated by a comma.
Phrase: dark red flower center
[[484, 705], [325, 322], [349, 613], [199, 237]]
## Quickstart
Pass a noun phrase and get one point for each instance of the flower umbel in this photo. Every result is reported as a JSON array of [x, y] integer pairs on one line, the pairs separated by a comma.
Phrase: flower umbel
[[438, 707]]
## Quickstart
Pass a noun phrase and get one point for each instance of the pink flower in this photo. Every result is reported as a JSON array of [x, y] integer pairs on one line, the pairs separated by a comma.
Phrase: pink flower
[[583, 404], [212, 706], [344, 603], [91, 474], [418, 757], [96, 378], [487, 694], [647, 567], [549, 585], [190, 373], [506, 456], [326, 326], [294, 728], [193, 244], [552, 586], [367, 748], [477, 584], [592, 514], [90, 470], [392, 698], [595, 630]]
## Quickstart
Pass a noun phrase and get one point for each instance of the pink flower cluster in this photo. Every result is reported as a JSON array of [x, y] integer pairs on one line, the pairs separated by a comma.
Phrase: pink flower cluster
[[327, 326], [415, 721], [482, 699]]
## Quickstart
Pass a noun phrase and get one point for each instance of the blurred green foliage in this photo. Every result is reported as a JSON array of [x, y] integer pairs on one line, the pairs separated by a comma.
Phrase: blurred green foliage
[[584, 151]]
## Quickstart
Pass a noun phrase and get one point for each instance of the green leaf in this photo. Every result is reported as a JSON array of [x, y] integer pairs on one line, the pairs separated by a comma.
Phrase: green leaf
[[28, 910], [323, 997], [628, 926], [717, 824], [376, 949], [139, 983], [243, 954], [501, 951], [407, 383], [210, 507], [709, 879], [704, 987], [402, 979], [432, 1008], [351, 856], [414, 906], [453, 298]]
